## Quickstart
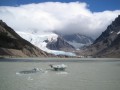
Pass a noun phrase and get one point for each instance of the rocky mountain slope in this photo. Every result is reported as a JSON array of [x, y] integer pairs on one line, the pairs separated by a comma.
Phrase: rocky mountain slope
[[69, 42], [107, 44], [11, 44], [60, 44]]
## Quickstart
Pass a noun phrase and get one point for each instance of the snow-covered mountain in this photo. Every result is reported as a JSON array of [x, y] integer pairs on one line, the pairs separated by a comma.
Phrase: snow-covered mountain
[[55, 43], [39, 40], [11, 44], [78, 40]]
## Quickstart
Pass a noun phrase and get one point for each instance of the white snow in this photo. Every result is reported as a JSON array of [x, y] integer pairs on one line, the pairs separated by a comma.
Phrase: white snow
[[118, 32], [111, 32], [39, 41]]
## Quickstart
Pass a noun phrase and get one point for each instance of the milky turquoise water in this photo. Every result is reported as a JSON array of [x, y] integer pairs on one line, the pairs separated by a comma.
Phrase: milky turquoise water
[[80, 75]]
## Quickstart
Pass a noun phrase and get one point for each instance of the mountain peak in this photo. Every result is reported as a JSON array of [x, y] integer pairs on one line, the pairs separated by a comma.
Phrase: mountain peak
[[108, 43], [113, 28], [2, 23], [60, 44], [117, 21]]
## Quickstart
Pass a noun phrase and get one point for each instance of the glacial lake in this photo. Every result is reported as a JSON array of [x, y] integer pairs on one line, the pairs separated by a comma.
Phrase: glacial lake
[[81, 74]]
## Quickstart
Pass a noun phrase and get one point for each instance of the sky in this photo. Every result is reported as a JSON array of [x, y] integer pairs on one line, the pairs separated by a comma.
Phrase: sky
[[94, 5], [88, 17]]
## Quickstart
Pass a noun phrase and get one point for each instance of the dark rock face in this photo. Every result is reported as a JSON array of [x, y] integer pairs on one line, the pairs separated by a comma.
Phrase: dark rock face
[[108, 43], [13, 45], [60, 44], [111, 31]]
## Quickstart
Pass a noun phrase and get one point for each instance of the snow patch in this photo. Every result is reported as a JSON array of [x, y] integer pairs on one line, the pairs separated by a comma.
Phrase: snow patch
[[118, 32], [111, 32]]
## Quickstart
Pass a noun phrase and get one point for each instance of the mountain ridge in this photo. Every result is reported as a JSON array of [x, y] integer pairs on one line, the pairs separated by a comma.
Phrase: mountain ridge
[[60, 44], [77, 40], [107, 44], [11, 44]]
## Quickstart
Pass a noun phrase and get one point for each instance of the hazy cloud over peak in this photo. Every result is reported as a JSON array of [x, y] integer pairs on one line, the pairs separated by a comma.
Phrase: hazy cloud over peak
[[66, 18]]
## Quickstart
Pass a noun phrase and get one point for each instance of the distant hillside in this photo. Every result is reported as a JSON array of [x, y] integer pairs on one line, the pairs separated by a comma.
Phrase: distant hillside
[[11, 44], [107, 44], [77, 40], [70, 42]]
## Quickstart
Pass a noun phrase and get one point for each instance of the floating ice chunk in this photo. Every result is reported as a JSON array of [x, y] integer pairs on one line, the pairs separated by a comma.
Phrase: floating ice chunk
[[32, 71]]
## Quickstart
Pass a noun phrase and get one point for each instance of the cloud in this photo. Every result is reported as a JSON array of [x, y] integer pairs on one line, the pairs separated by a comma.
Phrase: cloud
[[66, 18]]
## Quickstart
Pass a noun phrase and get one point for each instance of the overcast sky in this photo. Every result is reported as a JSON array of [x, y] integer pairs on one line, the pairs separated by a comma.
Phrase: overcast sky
[[64, 17]]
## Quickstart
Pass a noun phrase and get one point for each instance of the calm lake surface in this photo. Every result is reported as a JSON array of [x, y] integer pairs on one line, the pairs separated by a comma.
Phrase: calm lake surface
[[79, 75]]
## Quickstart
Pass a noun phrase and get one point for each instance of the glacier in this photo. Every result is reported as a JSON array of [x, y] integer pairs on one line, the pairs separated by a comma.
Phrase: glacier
[[38, 39]]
